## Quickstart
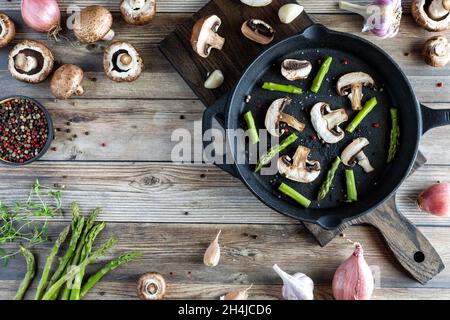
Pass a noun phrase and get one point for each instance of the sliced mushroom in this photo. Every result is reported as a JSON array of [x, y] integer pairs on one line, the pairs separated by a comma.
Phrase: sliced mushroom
[[258, 31], [300, 169], [151, 286], [326, 122], [354, 154], [352, 84], [138, 12], [122, 62], [257, 3], [432, 15], [275, 116], [293, 69], [436, 51], [30, 61], [7, 30], [205, 37], [94, 24], [66, 81]]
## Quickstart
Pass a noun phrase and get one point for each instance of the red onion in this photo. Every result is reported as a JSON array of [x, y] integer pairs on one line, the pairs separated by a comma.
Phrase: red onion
[[353, 279], [42, 15], [436, 199]]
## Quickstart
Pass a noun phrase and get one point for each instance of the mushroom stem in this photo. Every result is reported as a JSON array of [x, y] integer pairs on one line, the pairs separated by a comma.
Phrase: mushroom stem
[[446, 4], [300, 157], [25, 63], [79, 91], [125, 59], [335, 117], [215, 41], [109, 36], [291, 121], [438, 9], [363, 161], [355, 8], [356, 96]]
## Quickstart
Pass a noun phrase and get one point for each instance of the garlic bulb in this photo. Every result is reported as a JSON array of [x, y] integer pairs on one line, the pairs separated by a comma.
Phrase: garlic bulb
[[289, 12], [353, 279], [296, 287], [212, 254], [237, 295]]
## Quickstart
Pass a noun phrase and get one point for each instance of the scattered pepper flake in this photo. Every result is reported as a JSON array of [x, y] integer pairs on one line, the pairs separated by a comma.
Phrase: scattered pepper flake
[[440, 84]]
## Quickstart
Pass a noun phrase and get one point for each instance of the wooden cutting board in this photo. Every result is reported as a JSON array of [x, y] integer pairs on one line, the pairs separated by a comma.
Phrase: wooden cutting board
[[237, 53]]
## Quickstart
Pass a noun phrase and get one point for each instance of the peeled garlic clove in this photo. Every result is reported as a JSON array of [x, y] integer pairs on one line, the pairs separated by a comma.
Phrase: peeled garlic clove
[[212, 254], [237, 295], [296, 287], [436, 200], [215, 80], [257, 3], [289, 12]]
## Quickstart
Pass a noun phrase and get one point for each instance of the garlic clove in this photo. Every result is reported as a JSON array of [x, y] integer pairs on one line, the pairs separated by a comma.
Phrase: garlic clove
[[289, 12], [296, 287], [215, 80], [436, 200], [237, 295], [212, 254], [257, 3]]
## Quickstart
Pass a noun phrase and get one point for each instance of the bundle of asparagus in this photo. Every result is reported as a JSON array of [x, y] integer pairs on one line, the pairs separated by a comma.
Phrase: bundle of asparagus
[[70, 272]]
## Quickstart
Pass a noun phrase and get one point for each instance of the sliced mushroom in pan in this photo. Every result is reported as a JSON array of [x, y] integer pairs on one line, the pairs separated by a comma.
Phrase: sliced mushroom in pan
[[30, 61], [352, 85], [205, 36], [354, 154], [7, 30], [258, 31], [293, 69], [299, 168], [326, 122], [122, 62], [138, 12], [275, 116]]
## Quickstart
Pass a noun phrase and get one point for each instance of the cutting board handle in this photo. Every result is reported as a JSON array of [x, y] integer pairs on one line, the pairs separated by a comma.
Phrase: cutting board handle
[[410, 247]]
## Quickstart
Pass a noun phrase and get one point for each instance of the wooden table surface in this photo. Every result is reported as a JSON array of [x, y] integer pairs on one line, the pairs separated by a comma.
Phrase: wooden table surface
[[171, 212]]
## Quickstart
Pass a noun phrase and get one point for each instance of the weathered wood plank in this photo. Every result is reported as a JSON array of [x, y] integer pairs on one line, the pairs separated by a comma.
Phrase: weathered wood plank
[[162, 192], [248, 253], [312, 6]]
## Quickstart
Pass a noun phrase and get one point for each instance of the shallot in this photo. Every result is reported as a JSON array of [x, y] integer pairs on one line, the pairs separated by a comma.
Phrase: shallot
[[436, 200], [353, 279], [42, 15], [295, 287]]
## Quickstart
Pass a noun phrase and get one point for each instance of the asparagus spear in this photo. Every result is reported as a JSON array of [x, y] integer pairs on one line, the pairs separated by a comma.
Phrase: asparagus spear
[[112, 265], [31, 271], [265, 159], [352, 193], [370, 104], [282, 88], [253, 132], [325, 188], [48, 264], [318, 80], [284, 188], [395, 133]]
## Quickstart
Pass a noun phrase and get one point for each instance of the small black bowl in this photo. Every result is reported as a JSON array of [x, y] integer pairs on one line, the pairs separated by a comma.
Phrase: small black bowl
[[50, 133]]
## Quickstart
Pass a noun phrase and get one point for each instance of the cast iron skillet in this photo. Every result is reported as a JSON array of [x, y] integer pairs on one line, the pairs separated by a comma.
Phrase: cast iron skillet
[[408, 244]]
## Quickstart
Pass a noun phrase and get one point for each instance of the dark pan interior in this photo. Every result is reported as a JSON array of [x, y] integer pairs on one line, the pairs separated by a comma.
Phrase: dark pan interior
[[393, 90]]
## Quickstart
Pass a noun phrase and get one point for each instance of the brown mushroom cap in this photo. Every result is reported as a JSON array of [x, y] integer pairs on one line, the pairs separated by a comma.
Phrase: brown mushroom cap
[[30, 61], [151, 286], [436, 51], [7, 30], [94, 24], [422, 17], [204, 36], [138, 12], [66, 81], [122, 62]]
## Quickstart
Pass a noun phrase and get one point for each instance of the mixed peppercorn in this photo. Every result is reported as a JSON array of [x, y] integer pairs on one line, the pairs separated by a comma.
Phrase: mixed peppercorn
[[23, 130]]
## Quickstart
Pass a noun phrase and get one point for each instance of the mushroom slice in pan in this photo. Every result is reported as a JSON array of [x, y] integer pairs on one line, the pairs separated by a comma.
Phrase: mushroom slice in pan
[[326, 122], [205, 37], [293, 69], [122, 62], [275, 116], [66, 81], [300, 169], [138, 12], [258, 31], [433, 15], [352, 84], [7, 30], [94, 24], [30, 61], [354, 154]]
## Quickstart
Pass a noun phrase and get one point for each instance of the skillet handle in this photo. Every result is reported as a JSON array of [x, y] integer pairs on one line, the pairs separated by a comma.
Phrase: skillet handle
[[433, 118], [409, 246], [217, 111]]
